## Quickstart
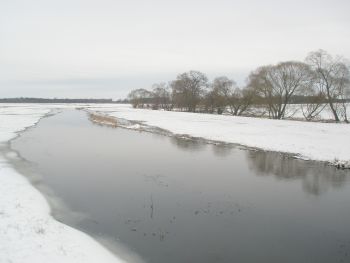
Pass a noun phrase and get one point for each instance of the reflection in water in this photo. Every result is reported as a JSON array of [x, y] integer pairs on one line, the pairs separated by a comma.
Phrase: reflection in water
[[188, 144], [316, 178], [222, 150], [194, 145], [179, 200]]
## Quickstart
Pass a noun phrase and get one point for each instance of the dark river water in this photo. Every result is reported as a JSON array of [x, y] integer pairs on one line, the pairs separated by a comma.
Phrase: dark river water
[[173, 200]]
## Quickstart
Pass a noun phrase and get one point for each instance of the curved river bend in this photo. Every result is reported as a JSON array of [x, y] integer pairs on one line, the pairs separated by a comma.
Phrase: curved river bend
[[175, 200]]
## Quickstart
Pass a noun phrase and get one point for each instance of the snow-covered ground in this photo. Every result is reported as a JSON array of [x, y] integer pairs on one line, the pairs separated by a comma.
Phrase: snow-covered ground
[[28, 233], [294, 111], [328, 142]]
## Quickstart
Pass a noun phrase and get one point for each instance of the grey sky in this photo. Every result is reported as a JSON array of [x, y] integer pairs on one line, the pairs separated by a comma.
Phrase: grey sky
[[103, 48]]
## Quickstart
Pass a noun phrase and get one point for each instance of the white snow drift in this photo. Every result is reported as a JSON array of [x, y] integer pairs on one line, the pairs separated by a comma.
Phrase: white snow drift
[[328, 142], [27, 231]]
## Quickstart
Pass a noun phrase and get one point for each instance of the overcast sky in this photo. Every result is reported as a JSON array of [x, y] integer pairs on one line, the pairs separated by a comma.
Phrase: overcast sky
[[104, 48]]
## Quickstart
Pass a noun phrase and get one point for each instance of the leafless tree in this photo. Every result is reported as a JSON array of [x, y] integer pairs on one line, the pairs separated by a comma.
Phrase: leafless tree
[[213, 102], [139, 97], [241, 100], [188, 89], [344, 94], [221, 88], [314, 100], [161, 96], [227, 94], [277, 84], [333, 77], [344, 100], [315, 103]]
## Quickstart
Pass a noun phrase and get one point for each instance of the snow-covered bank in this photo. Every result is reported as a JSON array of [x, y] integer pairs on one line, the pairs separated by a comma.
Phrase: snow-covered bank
[[327, 142], [28, 233]]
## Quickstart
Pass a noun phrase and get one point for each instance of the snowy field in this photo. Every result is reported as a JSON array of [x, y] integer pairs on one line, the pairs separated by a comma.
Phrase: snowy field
[[294, 111], [327, 142], [28, 233]]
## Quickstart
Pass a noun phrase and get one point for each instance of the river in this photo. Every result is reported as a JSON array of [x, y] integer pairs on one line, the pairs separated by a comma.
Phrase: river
[[171, 200]]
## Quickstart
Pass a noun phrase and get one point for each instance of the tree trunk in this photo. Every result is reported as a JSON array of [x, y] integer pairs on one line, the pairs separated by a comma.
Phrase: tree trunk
[[336, 118]]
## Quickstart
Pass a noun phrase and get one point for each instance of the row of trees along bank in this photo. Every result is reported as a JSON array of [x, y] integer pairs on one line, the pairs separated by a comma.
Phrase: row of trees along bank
[[319, 81]]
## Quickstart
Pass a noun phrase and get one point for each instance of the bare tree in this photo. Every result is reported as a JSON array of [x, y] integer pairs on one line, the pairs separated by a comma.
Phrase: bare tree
[[344, 94], [344, 100], [241, 100], [226, 94], [188, 89], [333, 77], [139, 97], [277, 84], [315, 102], [222, 89], [213, 102], [161, 96]]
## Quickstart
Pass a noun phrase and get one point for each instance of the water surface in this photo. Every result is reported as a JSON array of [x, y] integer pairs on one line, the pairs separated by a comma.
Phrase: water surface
[[176, 200]]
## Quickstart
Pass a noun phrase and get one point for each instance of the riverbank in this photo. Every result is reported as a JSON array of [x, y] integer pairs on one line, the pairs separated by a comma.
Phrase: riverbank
[[169, 199], [28, 232], [325, 142]]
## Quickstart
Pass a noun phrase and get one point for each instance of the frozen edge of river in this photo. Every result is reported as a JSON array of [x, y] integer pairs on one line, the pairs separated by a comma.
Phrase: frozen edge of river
[[28, 233], [323, 142]]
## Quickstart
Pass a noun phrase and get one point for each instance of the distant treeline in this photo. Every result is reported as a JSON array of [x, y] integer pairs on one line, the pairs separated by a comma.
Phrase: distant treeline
[[321, 80], [43, 100]]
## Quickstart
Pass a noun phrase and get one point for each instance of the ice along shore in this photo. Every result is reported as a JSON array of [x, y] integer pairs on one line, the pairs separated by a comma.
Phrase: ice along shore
[[28, 233]]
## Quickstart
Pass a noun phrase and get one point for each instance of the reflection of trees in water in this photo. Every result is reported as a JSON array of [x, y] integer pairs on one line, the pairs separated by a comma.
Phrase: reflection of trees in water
[[222, 150], [193, 145], [316, 178], [188, 144]]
